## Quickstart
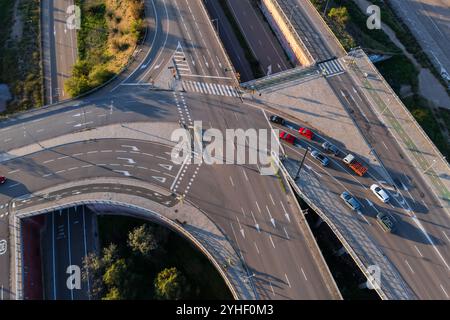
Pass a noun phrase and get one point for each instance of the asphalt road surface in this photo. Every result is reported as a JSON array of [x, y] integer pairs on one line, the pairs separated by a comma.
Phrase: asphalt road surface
[[259, 218], [59, 40]]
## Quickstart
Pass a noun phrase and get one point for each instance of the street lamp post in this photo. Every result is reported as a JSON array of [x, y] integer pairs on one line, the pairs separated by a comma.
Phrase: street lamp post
[[301, 165]]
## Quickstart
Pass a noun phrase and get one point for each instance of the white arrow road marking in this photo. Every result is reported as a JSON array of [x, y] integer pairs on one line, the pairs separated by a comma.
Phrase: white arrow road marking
[[133, 148], [83, 124], [166, 166], [125, 173], [256, 223], [130, 161], [240, 228], [271, 219], [160, 179]]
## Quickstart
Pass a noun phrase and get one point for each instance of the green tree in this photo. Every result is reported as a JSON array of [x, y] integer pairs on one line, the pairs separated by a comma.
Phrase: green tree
[[142, 241], [113, 294], [339, 15], [170, 284], [93, 269]]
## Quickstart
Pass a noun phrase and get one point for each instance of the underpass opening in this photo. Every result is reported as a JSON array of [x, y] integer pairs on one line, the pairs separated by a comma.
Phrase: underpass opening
[[62, 238]]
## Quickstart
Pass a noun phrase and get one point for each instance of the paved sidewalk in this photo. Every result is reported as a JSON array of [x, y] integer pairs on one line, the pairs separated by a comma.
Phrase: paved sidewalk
[[423, 154], [183, 217]]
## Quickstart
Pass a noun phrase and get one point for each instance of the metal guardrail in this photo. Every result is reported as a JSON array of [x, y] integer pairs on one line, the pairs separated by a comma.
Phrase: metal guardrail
[[279, 78]]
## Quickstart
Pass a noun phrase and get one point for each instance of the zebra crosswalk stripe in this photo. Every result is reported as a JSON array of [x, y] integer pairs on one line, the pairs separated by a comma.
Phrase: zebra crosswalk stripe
[[210, 88]]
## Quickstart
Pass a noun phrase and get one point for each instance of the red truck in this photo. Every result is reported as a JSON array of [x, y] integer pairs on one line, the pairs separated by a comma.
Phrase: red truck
[[355, 165]]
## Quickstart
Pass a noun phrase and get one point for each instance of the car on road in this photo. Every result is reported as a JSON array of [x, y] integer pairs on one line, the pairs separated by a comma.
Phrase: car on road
[[277, 119], [287, 137], [308, 134], [387, 222], [380, 193], [320, 157], [350, 201], [2, 180], [328, 147]]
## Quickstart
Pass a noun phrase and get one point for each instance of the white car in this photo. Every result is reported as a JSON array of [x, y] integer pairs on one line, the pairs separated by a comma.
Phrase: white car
[[380, 193]]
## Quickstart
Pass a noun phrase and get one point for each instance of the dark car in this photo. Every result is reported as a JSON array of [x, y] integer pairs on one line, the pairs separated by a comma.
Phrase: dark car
[[387, 222], [328, 147], [350, 201], [277, 119], [320, 157]]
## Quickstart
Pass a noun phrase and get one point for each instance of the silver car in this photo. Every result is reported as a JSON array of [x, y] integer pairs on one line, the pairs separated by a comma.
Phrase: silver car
[[320, 157], [328, 147], [350, 201]]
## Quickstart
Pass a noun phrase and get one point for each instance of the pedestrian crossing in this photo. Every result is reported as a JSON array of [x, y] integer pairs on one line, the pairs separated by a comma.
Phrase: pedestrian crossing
[[331, 68], [210, 88], [180, 61]]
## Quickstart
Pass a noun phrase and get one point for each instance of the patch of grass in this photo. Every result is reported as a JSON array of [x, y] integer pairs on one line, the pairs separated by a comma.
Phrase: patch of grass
[[20, 60], [110, 30]]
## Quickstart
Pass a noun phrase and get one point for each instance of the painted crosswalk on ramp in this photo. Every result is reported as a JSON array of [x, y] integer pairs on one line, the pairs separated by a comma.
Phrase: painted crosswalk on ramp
[[210, 88], [331, 68], [180, 61]]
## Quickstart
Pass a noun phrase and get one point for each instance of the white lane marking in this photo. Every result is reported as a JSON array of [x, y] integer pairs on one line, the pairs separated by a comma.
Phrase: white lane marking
[[271, 287], [160, 179], [54, 259], [85, 254], [129, 160], [409, 266], [445, 292], [133, 148], [245, 175], [14, 185], [272, 220], [287, 279], [257, 250], [446, 235], [83, 124], [420, 253], [257, 205], [271, 198], [231, 180], [304, 274], [14, 171], [287, 235], [125, 173], [271, 240]]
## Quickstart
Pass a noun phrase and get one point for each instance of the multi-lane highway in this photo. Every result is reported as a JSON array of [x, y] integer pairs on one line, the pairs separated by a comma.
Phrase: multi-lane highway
[[59, 46], [262, 221]]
